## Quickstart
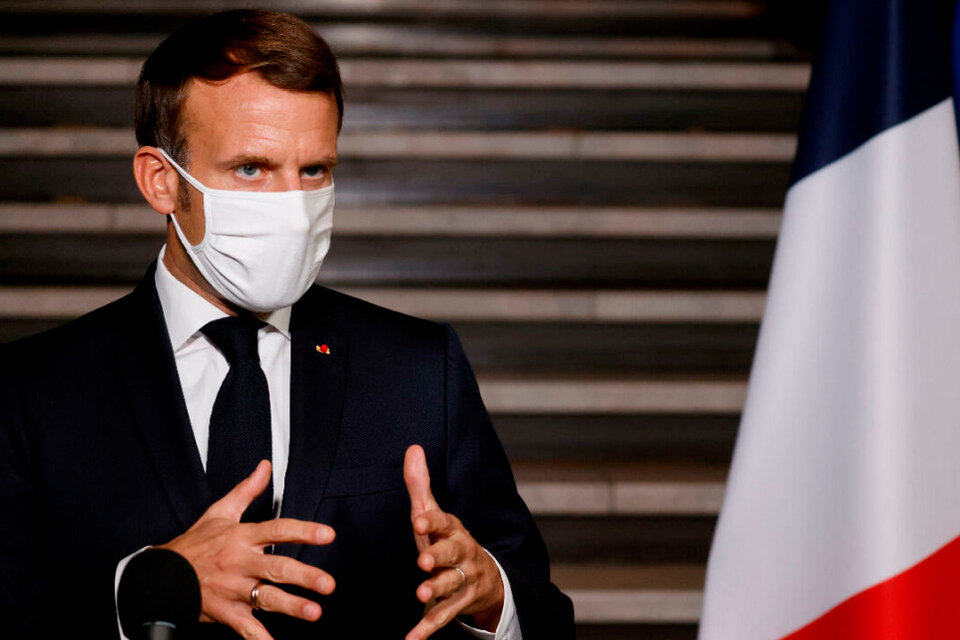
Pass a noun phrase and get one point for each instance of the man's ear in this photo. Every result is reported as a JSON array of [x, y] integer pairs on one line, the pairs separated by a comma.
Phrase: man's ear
[[156, 179]]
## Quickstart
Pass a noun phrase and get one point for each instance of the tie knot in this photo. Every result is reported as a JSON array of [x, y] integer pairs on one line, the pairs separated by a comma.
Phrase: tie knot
[[235, 336]]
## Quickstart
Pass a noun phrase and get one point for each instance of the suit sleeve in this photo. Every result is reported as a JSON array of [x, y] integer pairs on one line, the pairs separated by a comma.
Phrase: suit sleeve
[[480, 490], [23, 567], [39, 597], [20, 562]]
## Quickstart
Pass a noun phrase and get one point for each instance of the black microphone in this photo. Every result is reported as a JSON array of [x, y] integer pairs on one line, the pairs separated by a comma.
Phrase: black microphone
[[158, 595]]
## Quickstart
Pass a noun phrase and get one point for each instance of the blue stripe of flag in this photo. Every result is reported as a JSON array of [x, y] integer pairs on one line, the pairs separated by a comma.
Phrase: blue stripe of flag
[[880, 62]]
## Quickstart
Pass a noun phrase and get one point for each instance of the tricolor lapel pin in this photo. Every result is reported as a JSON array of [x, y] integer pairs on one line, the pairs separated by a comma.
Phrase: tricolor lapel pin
[[324, 349]]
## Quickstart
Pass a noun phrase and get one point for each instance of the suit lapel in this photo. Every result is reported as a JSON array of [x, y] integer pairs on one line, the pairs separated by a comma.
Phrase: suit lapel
[[318, 366], [151, 384], [149, 376]]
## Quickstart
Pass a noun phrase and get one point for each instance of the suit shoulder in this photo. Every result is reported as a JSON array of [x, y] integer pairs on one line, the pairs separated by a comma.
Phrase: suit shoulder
[[353, 314], [83, 336]]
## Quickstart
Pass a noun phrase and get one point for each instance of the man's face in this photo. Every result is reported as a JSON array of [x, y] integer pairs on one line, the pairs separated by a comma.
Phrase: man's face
[[246, 134]]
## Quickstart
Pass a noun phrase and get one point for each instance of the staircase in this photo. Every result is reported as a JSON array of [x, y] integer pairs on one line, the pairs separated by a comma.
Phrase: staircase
[[589, 190]]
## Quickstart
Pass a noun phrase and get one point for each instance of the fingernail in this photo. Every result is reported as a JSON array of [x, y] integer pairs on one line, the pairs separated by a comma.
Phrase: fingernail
[[311, 610], [425, 562], [322, 584]]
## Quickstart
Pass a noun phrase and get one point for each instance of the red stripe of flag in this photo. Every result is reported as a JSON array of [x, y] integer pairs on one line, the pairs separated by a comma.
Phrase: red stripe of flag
[[921, 602]]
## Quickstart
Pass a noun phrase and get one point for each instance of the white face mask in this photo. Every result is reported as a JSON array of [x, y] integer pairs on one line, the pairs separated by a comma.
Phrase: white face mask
[[260, 250]]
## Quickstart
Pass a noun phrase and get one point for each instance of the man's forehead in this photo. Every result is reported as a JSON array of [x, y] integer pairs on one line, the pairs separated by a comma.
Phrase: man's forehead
[[247, 110]]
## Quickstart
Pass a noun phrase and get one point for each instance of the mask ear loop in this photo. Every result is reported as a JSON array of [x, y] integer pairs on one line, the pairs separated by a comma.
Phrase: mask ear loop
[[183, 172], [206, 211]]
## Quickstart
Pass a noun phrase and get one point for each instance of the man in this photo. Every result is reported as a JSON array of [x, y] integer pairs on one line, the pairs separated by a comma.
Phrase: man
[[326, 466]]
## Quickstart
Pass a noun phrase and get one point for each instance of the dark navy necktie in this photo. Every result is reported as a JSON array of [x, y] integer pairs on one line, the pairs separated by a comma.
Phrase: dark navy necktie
[[240, 433]]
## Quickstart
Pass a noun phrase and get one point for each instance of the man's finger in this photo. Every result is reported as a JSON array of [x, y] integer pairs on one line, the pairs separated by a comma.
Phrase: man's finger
[[445, 553], [270, 598], [281, 530], [434, 522], [442, 585], [233, 504], [284, 570], [439, 616], [240, 619], [417, 478]]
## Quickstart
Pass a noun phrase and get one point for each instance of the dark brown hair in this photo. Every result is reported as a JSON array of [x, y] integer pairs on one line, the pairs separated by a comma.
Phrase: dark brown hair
[[283, 49]]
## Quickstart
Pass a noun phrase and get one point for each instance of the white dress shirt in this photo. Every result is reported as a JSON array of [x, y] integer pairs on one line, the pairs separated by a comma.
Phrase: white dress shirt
[[202, 369]]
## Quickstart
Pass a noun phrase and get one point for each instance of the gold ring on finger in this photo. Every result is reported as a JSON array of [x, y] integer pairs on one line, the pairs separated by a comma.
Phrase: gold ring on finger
[[255, 596]]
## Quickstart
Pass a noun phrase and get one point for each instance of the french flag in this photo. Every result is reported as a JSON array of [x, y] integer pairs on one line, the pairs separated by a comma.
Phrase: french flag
[[842, 513]]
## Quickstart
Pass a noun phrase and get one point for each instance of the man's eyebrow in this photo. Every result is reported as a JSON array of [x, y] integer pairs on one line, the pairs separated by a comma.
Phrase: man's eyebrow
[[242, 158], [329, 161]]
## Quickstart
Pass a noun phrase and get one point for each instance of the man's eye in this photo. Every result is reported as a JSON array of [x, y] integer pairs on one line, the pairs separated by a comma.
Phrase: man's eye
[[314, 172], [248, 171]]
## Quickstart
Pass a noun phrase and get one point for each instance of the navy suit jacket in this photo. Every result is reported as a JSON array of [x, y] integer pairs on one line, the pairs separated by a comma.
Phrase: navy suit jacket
[[98, 459]]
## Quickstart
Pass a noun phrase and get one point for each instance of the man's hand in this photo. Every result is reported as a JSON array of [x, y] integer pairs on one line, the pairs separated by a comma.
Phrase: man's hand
[[444, 543], [229, 560]]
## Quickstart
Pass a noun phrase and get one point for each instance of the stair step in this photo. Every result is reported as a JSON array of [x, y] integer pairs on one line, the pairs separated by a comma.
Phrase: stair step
[[523, 74], [649, 17], [605, 488], [457, 304], [372, 39], [614, 631], [590, 395], [605, 438], [576, 74], [597, 109], [379, 108], [607, 349], [635, 594], [624, 539], [364, 40], [450, 181], [474, 9], [435, 221], [622, 498], [389, 261], [566, 306], [631, 146]]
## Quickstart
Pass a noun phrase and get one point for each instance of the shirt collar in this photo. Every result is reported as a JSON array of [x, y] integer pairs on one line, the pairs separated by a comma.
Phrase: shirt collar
[[186, 312]]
